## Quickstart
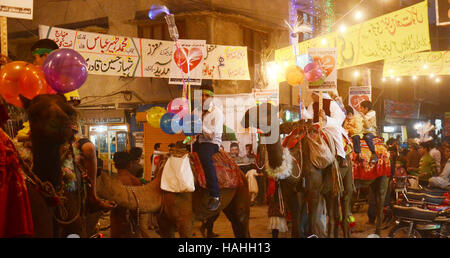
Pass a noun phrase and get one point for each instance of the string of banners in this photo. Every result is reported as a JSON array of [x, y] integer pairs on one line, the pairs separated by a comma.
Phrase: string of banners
[[139, 57]]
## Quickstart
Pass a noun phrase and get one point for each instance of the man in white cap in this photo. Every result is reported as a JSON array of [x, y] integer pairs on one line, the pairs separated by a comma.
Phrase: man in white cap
[[332, 119]]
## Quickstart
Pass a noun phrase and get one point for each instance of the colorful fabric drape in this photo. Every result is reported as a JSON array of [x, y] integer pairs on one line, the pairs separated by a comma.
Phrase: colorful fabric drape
[[15, 211]]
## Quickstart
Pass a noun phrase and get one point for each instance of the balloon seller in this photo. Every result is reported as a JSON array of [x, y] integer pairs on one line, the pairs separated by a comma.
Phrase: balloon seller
[[209, 141]]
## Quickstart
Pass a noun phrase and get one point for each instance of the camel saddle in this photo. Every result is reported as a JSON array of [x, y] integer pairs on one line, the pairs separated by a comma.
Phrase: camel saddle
[[229, 175]]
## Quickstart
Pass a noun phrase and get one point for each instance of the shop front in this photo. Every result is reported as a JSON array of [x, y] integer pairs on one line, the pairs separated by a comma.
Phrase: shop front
[[108, 131]]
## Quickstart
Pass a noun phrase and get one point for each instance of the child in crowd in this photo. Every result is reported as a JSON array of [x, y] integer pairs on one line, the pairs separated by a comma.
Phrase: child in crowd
[[369, 117], [354, 125]]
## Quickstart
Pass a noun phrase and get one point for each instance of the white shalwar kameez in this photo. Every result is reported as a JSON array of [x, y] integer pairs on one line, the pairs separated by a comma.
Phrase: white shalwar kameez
[[333, 125]]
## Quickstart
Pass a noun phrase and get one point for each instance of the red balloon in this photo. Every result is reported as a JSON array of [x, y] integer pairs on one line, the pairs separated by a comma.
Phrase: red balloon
[[21, 78], [9, 76], [32, 82]]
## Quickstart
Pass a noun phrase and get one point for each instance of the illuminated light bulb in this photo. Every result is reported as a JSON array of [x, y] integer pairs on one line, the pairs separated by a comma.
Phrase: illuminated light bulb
[[391, 71], [432, 75], [383, 79], [438, 79], [356, 73], [392, 76], [398, 79], [324, 41], [343, 28], [358, 15], [425, 66], [414, 77]]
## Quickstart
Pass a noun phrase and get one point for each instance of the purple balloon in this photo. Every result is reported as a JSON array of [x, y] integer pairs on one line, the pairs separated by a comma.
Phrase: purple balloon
[[65, 70]]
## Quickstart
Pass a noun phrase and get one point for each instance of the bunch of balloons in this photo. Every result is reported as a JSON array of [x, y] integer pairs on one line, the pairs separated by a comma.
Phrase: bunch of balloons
[[306, 68], [64, 70], [176, 119]]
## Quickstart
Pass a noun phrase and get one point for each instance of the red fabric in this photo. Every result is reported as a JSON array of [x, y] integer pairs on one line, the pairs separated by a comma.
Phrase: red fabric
[[15, 211], [270, 188], [229, 175], [365, 171]]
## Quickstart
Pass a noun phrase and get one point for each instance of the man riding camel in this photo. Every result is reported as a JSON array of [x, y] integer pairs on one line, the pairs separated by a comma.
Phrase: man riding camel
[[332, 119], [208, 143]]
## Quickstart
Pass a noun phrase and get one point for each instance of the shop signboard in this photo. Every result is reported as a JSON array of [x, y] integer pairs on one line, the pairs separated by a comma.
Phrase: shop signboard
[[447, 124], [442, 12], [396, 109], [22, 9]]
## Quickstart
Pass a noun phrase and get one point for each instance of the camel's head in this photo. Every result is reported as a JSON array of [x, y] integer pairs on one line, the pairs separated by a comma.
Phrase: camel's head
[[261, 117], [51, 118]]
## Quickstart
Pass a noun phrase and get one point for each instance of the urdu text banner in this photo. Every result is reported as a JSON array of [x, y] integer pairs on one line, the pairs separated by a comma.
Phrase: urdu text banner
[[425, 63], [398, 33], [138, 57]]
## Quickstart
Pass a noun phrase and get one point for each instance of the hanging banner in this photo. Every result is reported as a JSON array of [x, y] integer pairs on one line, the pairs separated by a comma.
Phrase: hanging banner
[[425, 63], [137, 57], [398, 33], [358, 94], [326, 58], [186, 62], [396, 109]]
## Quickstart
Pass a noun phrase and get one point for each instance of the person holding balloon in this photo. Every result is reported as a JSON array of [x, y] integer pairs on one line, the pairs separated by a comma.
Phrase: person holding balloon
[[333, 118]]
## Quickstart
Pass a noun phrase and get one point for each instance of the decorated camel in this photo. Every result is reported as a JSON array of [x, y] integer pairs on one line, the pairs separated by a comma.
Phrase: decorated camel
[[178, 211], [336, 188], [55, 186], [301, 182]]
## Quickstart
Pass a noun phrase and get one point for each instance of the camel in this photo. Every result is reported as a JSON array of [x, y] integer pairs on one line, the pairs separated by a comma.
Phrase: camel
[[178, 210], [56, 211], [314, 184]]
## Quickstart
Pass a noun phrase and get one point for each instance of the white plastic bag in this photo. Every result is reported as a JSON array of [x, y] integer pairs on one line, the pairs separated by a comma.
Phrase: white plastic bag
[[177, 175], [319, 152]]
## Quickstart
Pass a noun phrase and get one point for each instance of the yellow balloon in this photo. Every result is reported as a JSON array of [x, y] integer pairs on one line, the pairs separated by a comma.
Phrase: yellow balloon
[[294, 75], [154, 115]]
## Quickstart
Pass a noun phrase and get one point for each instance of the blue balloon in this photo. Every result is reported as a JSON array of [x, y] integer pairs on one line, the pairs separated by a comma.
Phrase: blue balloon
[[192, 125], [303, 60], [171, 123]]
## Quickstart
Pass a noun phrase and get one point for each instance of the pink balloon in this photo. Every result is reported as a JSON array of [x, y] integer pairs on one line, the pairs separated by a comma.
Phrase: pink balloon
[[178, 106], [313, 72]]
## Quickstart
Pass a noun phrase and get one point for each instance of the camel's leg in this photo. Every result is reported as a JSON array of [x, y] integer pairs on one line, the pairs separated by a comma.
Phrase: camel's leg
[[144, 219], [207, 226], [347, 180], [314, 184], [292, 200], [379, 187], [333, 219], [238, 212], [184, 225], [166, 227]]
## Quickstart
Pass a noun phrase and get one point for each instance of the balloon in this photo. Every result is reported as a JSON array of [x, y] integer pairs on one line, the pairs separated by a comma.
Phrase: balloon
[[65, 70], [154, 115], [21, 78], [192, 125], [171, 123], [32, 82], [178, 106], [9, 76], [303, 60], [313, 72], [294, 75]]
